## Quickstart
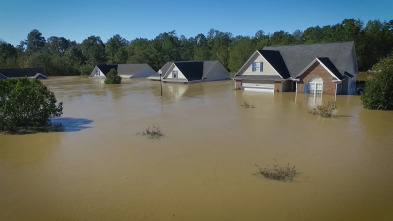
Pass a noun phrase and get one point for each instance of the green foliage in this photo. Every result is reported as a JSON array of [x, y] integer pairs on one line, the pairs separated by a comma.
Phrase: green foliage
[[325, 111], [112, 77], [26, 104], [60, 56], [378, 93]]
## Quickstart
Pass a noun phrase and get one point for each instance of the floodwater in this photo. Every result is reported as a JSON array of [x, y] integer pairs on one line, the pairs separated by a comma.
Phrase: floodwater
[[97, 167]]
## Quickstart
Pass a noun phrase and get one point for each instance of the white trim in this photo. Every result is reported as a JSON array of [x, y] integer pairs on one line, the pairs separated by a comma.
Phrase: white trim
[[321, 63], [244, 67]]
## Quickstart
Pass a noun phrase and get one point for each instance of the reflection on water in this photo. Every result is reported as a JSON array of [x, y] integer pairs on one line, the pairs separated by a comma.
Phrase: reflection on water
[[67, 124], [202, 168]]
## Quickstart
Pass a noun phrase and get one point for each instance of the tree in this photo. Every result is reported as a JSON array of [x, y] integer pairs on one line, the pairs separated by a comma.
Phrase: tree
[[35, 42], [201, 49], [8, 55], [378, 93], [239, 53], [93, 49], [112, 77], [113, 46], [26, 104]]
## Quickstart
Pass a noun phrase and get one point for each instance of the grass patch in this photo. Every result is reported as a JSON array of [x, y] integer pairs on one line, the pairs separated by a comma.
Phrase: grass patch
[[325, 111], [153, 132], [277, 172]]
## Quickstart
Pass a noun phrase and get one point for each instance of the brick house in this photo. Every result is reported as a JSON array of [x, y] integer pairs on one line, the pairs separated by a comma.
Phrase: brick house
[[328, 68]]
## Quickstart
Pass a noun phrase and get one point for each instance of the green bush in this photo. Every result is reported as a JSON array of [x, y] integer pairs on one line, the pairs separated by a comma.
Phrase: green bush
[[378, 93], [112, 77], [26, 104]]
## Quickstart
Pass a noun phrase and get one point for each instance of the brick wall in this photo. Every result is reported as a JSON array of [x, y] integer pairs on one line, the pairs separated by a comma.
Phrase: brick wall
[[277, 86], [238, 85], [316, 70]]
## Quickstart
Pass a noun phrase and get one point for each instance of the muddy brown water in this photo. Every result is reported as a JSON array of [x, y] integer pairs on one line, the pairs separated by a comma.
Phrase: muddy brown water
[[98, 168]]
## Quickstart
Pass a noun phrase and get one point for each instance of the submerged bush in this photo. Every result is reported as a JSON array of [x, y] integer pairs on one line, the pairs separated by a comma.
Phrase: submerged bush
[[112, 77], [278, 172], [152, 132], [378, 92], [26, 104], [247, 105], [325, 111]]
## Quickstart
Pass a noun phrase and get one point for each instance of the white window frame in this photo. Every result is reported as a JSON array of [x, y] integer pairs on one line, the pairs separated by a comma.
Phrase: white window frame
[[315, 85], [257, 66]]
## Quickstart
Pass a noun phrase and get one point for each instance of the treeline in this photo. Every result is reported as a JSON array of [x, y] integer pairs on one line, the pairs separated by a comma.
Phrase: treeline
[[61, 56]]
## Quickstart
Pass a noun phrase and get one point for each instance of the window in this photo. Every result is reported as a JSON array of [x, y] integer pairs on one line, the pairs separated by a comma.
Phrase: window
[[257, 67], [174, 74], [315, 85]]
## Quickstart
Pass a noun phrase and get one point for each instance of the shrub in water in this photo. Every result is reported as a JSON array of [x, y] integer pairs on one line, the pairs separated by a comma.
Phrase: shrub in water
[[112, 77], [278, 172], [26, 104], [325, 111], [378, 93]]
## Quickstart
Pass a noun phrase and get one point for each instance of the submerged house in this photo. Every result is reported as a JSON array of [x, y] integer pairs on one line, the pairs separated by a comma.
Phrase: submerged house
[[194, 71], [328, 68], [123, 70], [37, 73], [164, 69]]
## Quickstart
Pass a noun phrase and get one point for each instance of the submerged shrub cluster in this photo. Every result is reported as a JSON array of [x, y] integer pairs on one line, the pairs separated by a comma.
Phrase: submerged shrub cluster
[[247, 105], [325, 111], [153, 132], [277, 172], [26, 104]]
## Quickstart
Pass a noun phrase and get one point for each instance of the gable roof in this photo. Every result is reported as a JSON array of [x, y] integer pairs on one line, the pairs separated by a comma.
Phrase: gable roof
[[296, 57], [275, 59], [164, 69], [132, 69], [123, 69], [105, 68], [327, 64], [192, 70], [22, 72]]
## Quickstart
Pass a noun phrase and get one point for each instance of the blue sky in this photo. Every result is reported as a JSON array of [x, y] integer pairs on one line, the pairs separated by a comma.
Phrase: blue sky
[[78, 19]]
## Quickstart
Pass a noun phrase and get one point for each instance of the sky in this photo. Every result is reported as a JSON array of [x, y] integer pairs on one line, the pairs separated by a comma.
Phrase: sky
[[76, 20]]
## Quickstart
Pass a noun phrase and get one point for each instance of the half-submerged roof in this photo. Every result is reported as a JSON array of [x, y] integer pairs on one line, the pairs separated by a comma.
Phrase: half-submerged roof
[[22, 72], [296, 57], [192, 70], [105, 68]]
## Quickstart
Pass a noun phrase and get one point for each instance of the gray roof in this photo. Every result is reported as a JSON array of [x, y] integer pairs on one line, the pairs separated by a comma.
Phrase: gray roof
[[164, 69], [123, 69], [297, 57], [275, 59], [22, 72]]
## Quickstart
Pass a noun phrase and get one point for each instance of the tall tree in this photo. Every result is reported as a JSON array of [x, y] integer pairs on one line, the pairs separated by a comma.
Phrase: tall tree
[[113, 46], [141, 50], [281, 38], [201, 48], [35, 42], [57, 45], [219, 43], [240, 52], [8, 55]]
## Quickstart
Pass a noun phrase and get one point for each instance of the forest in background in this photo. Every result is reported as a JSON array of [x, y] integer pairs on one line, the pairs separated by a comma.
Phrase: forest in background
[[61, 56]]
